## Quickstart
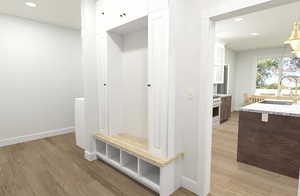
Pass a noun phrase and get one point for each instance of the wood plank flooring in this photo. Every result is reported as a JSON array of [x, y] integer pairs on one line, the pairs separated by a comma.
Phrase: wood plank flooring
[[55, 167], [230, 178]]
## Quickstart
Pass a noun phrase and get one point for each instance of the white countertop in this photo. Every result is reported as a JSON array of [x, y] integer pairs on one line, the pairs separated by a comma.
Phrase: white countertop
[[283, 110]]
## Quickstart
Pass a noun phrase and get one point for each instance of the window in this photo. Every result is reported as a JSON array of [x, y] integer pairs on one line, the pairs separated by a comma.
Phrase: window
[[278, 76]]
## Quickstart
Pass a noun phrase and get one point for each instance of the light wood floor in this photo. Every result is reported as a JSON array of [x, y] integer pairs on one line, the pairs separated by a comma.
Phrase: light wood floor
[[230, 178], [55, 167]]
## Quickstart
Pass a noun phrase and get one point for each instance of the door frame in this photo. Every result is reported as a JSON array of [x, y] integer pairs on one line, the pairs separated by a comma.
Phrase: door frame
[[208, 37]]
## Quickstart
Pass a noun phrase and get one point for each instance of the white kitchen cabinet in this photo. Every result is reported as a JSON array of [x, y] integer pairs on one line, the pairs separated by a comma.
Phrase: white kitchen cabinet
[[219, 54], [158, 69], [218, 77]]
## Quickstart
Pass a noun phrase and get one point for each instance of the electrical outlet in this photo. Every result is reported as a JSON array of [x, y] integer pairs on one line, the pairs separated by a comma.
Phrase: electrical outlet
[[264, 117]]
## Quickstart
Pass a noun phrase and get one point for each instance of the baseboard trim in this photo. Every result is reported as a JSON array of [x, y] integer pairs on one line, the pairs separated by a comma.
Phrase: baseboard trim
[[90, 156], [36, 136], [189, 184]]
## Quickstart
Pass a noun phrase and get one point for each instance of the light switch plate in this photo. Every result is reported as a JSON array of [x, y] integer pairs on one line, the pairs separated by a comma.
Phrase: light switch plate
[[264, 117]]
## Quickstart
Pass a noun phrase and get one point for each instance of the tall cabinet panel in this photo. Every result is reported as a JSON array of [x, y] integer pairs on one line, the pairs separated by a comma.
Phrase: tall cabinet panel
[[101, 50], [158, 32]]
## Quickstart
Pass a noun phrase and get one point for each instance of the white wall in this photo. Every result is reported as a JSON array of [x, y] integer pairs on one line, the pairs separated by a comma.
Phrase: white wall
[[246, 62], [40, 74], [134, 57]]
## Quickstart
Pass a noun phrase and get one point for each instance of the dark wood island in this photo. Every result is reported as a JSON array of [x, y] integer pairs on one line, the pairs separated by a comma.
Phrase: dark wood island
[[272, 143]]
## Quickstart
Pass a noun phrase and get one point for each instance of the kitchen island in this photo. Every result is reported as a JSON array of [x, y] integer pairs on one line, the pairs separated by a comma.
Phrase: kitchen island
[[269, 137]]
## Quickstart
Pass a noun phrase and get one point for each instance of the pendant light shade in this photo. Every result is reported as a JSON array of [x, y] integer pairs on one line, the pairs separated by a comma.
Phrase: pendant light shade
[[294, 40], [297, 53]]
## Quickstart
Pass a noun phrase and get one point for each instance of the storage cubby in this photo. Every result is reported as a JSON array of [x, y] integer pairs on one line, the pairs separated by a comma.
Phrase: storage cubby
[[101, 147], [114, 153], [150, 172], [127, 74], [129, 162]]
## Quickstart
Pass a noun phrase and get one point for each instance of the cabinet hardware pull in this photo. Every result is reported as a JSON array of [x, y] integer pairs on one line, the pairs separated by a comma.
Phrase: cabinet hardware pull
[[148, 85], [124, 14], [104, 84], [121, 15], [102, 13]]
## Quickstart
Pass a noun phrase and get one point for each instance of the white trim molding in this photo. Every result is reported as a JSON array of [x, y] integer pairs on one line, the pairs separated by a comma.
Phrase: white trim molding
[[90, 156], [189, 184], [36, 136]]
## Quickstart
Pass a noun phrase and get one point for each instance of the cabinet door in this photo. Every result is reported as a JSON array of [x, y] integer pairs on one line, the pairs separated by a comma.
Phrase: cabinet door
[[218, 77], [223, 109], [155, 5], [158, 68], [113, 13], [100, 21], [134, 9], [219, 54], [100, 17], [101, 50], [229, 100]]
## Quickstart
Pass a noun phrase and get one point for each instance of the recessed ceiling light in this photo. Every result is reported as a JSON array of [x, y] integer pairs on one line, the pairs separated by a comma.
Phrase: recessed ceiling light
[[31, 4], [254, 34], [238, 19]]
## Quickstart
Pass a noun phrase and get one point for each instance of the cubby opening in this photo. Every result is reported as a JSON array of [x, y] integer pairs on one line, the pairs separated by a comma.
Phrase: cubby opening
[[127, 71], [150, 172], [101, 147], [129, 162], [114, 154]]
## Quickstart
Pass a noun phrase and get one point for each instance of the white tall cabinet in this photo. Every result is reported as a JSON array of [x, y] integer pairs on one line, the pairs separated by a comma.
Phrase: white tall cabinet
[[158, 73], [136, 91], [112, 31]]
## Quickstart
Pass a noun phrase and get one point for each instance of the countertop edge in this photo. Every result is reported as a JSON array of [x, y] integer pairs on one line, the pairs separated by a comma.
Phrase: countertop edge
[[269, 112]]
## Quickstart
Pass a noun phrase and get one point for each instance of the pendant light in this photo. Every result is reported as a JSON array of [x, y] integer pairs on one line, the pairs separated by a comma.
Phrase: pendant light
[[294, 40]]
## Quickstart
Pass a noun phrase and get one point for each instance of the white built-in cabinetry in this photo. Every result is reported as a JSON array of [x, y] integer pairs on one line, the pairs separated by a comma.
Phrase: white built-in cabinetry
[[114, 13], [219, 63], [158, 77], [134, 80]]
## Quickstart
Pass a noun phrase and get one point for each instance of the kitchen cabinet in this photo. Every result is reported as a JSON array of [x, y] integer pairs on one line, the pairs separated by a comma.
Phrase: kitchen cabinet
[[218, 77], [272, 145], [219, 63], [225, 108], [219, 54]]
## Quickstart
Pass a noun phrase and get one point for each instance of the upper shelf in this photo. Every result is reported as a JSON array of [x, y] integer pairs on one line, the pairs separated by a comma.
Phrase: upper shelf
[[132, 26], [137, 147]]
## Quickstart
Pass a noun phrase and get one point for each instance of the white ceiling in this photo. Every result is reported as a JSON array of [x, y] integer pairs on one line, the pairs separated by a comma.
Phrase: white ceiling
[[59, 12], [273, 25]]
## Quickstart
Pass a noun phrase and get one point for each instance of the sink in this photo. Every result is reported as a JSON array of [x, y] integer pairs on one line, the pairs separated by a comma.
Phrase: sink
[[277, 102]]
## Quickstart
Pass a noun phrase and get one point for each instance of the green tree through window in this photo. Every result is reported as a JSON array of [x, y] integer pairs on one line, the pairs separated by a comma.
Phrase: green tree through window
[[280, 74]]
